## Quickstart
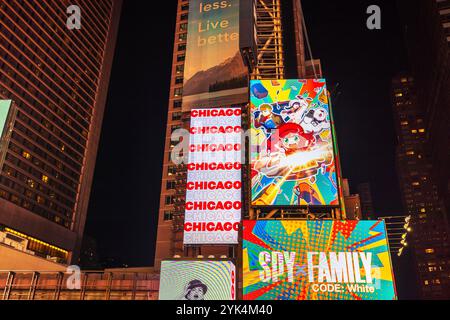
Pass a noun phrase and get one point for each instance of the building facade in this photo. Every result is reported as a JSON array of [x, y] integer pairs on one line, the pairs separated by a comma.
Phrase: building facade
[[421, 199], [270, 64], [427, 30], [57, 79], [124, 285], [365, 194]]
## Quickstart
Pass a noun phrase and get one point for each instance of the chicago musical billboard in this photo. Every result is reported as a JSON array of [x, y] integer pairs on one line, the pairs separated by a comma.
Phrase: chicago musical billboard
[[317, 260], [292, 152], [214, 182], [214, 72]]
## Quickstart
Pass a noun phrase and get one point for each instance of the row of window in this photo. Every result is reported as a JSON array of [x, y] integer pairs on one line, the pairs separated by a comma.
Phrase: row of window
[[22, 134], [38, 187], [59, 91], [71, 186], [56, 29], [54, 124], [44, 91], [32, 206], [33, 33], [48, 132]]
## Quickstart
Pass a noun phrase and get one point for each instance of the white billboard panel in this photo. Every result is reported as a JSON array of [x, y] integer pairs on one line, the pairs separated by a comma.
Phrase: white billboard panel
[[214, 180]]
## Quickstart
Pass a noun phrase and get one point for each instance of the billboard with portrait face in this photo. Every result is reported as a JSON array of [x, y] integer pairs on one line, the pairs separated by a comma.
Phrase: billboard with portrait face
[[214, 71], [292, 151], [197, 280], [214, 182], [317, 260]]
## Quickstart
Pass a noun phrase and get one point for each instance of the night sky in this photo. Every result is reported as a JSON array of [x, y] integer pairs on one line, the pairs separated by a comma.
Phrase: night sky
[[124, 204]]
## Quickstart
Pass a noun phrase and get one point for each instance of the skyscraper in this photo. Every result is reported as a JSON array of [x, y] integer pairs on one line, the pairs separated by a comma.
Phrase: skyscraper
[[420, 195], [57, 79], [365, 193], [270, 29], [427, 32]]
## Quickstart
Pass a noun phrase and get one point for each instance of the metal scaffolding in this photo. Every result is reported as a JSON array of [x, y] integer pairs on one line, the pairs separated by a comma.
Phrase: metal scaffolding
[[270, 63]]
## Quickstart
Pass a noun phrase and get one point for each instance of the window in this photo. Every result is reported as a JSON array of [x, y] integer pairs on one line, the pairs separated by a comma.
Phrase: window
[[168, 215], [176, 127], [179, 68], [182, 37], [179, 80], [182, 47], [177, 116], [171, 171], [26, 155], [170, 185], [177, 104], [169, 200], [178, 92], [181, 57]]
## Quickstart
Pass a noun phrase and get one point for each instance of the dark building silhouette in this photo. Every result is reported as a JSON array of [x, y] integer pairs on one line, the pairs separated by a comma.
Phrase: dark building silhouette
[[421, 200], [365, 195], [427, 31]]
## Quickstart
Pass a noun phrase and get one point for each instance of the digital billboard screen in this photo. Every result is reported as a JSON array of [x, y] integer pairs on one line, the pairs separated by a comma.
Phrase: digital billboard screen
[[214, 178], [197, 280], [214, 71], [317, 260], [5, 106], [292, 146]]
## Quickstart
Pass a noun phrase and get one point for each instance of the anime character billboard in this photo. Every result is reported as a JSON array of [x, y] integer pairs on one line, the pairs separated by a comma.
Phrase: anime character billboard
[[292, 149]]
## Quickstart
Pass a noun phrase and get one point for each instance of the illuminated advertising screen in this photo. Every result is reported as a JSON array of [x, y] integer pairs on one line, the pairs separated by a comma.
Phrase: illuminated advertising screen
[[214, 182], [292, 150], [317, 260], [214, 72], [197, 280], [5, 106]]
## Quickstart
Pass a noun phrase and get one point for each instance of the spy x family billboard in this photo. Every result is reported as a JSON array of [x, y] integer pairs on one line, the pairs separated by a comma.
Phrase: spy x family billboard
[[293, 159], [197, 280], [317, 260], [214, 72]]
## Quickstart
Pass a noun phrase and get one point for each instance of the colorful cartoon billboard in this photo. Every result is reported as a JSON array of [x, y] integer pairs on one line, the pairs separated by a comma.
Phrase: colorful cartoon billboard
[[317, 260], [214, 179], [214, 72], [292, 151], [197, 280]]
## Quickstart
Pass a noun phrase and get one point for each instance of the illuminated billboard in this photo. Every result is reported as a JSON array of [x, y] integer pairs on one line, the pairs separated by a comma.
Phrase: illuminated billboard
[[197, 280], [317, 260], [214, 181], [292, 151], [5, 106], [214, 72]]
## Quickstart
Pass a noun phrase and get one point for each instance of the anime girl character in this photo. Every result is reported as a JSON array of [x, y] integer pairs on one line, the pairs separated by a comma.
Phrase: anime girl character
[[298, 157], [292, 139]]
